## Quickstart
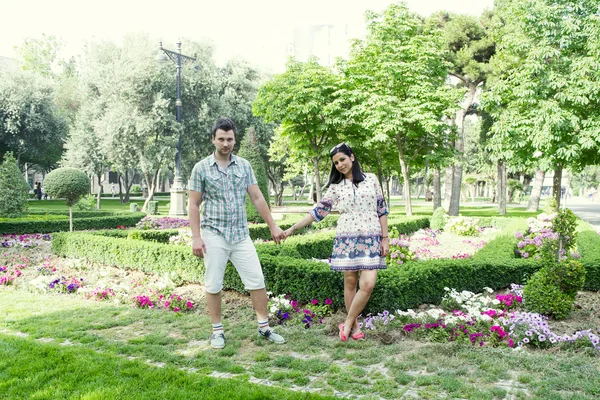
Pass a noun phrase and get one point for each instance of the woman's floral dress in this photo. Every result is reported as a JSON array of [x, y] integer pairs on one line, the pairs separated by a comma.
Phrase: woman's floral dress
[[357, 243]]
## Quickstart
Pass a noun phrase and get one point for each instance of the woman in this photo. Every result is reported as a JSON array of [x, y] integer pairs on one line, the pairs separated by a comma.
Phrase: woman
[[361, 240]]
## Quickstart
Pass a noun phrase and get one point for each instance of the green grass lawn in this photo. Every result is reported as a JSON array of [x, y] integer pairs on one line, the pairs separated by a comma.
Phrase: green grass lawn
[[419, 208], [102, 335], [105, 205]]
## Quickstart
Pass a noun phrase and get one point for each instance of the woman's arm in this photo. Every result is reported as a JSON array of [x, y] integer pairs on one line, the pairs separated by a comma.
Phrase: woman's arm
[[385, 238], [307, 220]]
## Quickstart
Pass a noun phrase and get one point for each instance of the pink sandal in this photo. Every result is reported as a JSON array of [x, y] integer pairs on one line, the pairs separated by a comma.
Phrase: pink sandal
[[358, 336], [343, 337]]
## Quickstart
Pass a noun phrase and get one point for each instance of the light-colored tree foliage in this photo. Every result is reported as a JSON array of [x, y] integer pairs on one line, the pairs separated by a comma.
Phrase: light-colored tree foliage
[[31, 126], [14, 191]]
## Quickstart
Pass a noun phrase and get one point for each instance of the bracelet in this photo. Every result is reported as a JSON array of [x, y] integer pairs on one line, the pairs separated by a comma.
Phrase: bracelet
[[294, 226]]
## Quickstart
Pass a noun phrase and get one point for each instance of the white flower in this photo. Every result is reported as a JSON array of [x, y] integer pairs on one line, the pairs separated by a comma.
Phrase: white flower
[[487, 289], [495, 301]]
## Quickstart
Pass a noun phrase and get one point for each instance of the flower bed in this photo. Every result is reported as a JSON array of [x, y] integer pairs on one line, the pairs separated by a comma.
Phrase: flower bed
[[483, 321], [432, 244]]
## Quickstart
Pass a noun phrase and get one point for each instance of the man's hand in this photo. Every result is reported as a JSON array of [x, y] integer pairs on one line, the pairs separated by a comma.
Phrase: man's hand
[[278, 234], [198, 247], [385, 247]]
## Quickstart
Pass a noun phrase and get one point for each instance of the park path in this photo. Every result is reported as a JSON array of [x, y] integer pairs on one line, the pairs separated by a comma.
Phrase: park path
[[586, 210]]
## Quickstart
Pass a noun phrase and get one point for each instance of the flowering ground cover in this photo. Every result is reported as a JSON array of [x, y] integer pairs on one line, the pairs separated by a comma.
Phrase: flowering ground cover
[[391, 363], [426, 244]]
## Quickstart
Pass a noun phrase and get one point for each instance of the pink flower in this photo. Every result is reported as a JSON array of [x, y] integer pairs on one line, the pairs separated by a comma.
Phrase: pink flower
[[328, 302], [176, 309], [189, 305], [167, 304], [314, 301]]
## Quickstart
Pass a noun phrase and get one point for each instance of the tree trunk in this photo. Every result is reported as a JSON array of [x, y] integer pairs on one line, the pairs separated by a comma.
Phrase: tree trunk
[[151, 188], [459, 121], [317, 179], [448, 186], [556, 185], [99, 197], [70, 218], [437, 196], [405, 167], [536, 192], [501, 187]]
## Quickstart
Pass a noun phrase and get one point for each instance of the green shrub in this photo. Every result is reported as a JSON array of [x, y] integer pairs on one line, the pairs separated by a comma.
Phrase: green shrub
[[153, 207], [463, 226], [135, 189], [86, 203], [14, 191], [134, 207], [568, 276], [543, 296], [250, 151], [439, 218], [49, 226]]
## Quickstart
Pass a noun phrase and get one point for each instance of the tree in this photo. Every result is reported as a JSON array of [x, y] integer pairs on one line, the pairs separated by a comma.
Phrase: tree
[[39, 55], [544, 95], [68, 183], [31, 126], [397, 82], [303, 100], [468, 49], [250, 151], [14, 191]]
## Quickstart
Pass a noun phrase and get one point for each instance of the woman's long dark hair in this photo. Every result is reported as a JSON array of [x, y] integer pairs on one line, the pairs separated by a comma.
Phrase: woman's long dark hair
[[336, 176]]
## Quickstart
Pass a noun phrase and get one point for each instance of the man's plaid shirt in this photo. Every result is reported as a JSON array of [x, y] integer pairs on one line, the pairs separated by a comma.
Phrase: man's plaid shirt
[[224, 195]]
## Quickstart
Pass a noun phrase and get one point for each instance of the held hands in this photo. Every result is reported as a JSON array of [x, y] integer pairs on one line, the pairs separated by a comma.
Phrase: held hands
[[198, 247], [277, 234], [385, 247]]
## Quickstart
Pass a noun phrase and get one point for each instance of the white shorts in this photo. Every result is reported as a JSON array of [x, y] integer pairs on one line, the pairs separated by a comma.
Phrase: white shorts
[[242, 255]]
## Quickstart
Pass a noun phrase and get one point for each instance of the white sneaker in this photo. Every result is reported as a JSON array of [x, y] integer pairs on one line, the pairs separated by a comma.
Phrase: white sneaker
[[270, 334], [217, 340]]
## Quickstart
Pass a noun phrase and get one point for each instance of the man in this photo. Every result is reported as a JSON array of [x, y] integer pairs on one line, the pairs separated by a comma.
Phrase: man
[[222, 180]]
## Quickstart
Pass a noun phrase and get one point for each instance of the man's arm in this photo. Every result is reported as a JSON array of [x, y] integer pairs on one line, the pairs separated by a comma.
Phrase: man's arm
[[260, 204], [198, 246]]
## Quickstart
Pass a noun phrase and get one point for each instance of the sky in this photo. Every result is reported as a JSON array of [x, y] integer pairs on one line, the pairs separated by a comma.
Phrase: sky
[[259, 31]]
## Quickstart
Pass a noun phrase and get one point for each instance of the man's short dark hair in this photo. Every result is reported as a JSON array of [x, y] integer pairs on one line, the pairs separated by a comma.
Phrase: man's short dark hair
[[225, 124]]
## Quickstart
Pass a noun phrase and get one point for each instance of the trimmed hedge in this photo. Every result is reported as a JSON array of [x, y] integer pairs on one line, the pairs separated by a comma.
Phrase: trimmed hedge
[[49, 226], [287, 267]]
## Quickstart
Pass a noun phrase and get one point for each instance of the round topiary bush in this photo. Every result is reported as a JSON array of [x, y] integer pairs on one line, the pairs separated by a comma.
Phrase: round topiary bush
[[541, 295], [438, 219], [69, 184]]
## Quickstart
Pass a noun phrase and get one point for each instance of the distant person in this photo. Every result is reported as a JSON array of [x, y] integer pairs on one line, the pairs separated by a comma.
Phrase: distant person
[[221, 181], [112, 190], [361, 239], [38, 191]]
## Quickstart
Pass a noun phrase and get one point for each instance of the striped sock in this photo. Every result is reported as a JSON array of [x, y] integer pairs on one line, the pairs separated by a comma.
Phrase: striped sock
[[217, 328], [263, 325]]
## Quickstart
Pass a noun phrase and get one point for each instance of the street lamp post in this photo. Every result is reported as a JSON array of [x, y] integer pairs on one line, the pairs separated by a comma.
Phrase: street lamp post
[[178, 202]]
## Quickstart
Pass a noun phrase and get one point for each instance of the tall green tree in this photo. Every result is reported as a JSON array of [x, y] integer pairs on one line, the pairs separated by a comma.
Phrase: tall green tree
[[397, 81], [303, 100], [545, 92], [468, 48]]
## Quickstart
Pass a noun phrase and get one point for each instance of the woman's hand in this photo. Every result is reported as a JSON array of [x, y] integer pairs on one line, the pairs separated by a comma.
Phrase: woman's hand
[[289, 232], [385, 247]]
